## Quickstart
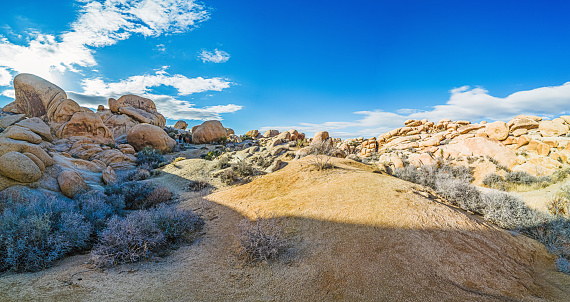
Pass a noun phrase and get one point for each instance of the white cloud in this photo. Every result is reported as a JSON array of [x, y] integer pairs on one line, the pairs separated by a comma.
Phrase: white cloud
[[216, 56], [9, 93], [5, 77], [97, 91], [144, 83], [465, 103], [99, 24]]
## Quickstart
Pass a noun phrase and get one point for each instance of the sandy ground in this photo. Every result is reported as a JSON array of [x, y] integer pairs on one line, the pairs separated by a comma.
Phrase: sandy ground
[[354, 235]]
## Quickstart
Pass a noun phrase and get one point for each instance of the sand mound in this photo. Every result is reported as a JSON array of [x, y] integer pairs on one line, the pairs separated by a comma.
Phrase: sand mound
[[355, 235]]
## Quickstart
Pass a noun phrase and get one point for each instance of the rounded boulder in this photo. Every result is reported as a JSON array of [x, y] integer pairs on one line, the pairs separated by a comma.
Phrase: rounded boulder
[[208, 132], [144, 135], [19, 167]]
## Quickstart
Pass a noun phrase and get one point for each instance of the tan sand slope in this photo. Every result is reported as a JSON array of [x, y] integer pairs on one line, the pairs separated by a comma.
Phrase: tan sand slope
[[355, 236]]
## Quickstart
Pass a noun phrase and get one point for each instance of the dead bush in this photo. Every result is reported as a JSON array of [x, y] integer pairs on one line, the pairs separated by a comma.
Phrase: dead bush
[[261, 240]]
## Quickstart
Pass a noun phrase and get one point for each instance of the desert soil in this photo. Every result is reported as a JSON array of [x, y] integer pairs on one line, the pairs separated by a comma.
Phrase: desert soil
[[354, 235]]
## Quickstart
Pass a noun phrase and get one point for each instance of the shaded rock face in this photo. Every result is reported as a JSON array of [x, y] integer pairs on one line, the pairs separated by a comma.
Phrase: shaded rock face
[[71, 183], [209, 131], [271, 133], [143, 135], [34, 94], [252, 133], [87, 124], [120, 124]]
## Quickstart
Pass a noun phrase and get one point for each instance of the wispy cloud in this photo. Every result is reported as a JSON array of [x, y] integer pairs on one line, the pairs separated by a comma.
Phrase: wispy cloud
[[216, 56], [99, 24], [465, 103], [97, 91]]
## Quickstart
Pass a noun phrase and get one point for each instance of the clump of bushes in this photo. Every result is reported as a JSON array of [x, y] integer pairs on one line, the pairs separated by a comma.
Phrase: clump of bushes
[[197, 185], [212, 154], [139, 195], [261, 240], [149, 156], [36, 233], [517, 180], [143, 235]]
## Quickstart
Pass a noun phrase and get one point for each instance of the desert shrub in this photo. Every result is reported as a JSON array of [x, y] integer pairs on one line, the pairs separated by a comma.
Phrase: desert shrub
[[97, 208], [150, 156], [521, 178], [245, 137], [262, 161], [139, 195], [243, 168], [35, 234], [558, 206], [197, 185], [212, 154], [223, 162], [179, 159], [176, 225], [261, 240], [563, 265], [128, 239], [495, 181], [158, 196], [143, 235], [228, 176], [460, 192], [138, 174], [508, 211], [559, 175]]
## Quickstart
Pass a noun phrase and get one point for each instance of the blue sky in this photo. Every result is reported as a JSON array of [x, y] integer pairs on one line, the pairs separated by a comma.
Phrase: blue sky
[[354, 68]]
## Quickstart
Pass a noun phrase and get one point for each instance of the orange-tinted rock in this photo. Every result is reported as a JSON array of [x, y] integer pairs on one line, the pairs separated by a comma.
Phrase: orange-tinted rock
[[86, 124], [209, 132], [143, 135], [34, 94]]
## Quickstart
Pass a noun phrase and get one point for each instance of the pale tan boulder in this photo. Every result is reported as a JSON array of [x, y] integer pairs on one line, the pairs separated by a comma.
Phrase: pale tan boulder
[[87, 124], [109, 176], [34, 94], [497, 130], [284, 136], [22, 134], [120, 124], [532, 145], [252, 133], [422, 159], [11, 108], [230, 131], [271, 133], [194, 128], [209, 132], [61, 112], [522, 122], [566, 118], [543, 149], [468, 128], [523, 140], [18, 167], [140, 109], [37, 126], [182, 125], [507, 159], [36, 160], [8, 145], [104, 114], [559, 121], [519, 132], [71, 183], [143, 135], [550, 128], [9, 120]]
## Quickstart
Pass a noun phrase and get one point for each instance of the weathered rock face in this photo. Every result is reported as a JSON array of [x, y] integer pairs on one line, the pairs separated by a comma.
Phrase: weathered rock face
[[522, 122], [208, 132], [87, 124], [320, 137], [143, 135], [71, 183], [37, 126], [34, 94], [230, 131], [271, 133], [19, 167], [120, 124], [61, 111], [141, 109], [550, 128], [181, 125], [252, 133], [497, 130], [9, 120], [109, 176]]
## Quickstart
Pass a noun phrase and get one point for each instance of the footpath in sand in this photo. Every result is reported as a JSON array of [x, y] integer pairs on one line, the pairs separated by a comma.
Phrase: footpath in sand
[[355, 235]]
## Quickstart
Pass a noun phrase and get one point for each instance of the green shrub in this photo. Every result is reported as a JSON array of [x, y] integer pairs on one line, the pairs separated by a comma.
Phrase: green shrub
[[149, 156], [212, 154]]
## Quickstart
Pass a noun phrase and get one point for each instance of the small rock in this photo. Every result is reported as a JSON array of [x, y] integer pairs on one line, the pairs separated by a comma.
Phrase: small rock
[[71, 183]]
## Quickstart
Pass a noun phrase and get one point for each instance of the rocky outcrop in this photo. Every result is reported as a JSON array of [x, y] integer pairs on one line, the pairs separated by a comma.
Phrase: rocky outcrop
[[208, 132], [550, 128], [86, 124], [144, 135], [141, 109], [119, 124], [182, 125], [252, 133], [497, 130], [34, 94], [271, 133]]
